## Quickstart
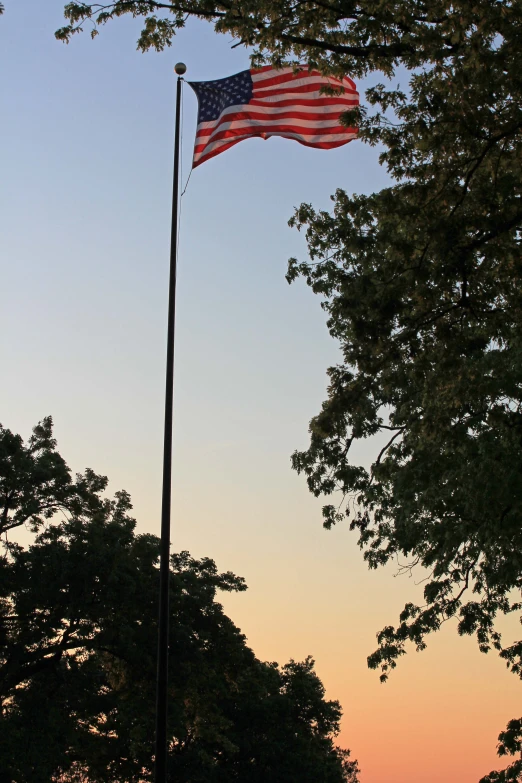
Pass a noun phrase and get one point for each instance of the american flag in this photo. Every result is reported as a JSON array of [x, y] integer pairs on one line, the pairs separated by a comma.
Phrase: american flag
[[271, 102]]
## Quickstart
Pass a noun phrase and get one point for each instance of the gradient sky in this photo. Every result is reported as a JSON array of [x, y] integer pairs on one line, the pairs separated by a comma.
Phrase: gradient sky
[[85, 208]]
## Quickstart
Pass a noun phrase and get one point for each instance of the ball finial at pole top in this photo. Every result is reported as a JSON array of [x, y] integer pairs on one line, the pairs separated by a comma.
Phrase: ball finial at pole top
[[180, 68]]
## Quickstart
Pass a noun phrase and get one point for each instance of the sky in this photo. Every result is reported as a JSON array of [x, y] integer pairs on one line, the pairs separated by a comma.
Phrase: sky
[[85, 202]]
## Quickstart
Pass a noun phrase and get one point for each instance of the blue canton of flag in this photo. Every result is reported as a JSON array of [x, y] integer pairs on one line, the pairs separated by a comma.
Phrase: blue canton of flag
[[214, 97]]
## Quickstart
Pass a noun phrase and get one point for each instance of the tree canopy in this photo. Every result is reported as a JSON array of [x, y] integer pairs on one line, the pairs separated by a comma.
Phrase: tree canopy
[[421, 285], [35, 482], [78, 635]]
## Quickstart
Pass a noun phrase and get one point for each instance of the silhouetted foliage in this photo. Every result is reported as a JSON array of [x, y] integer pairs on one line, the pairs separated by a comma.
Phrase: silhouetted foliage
[[510, 743], [422, 286], [35, 482], [78, 636]]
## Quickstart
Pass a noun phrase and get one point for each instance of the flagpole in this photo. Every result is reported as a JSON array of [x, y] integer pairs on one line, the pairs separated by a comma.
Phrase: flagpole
[[160, 768]]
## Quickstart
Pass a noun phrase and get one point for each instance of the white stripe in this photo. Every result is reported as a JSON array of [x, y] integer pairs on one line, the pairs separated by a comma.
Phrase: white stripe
[[246, 124], [262, 124], [320, 138], [270, 109], [217, 144], [264, 75], [288, 85], [274, 112], [259, 78], [303, 96]]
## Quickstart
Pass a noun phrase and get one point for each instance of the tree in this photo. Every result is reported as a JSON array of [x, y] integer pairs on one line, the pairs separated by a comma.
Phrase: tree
[[78, 657], [35, 482], [421, 284]]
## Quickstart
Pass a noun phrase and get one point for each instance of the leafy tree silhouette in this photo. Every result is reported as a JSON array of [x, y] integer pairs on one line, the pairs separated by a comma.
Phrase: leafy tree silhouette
[[78, 637]]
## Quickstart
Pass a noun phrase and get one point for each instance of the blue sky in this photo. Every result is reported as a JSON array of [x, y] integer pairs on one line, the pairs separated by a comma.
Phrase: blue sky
[[86, 210]]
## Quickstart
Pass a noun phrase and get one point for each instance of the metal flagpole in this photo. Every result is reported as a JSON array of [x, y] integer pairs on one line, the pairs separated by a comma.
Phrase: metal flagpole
[[160, 771]]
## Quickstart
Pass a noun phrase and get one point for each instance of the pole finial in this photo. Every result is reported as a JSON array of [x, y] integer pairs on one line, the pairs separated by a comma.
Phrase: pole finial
[[180, 68]]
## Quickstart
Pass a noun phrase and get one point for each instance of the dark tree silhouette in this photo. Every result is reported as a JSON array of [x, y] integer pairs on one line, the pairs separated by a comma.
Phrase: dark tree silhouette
[[78, 637]]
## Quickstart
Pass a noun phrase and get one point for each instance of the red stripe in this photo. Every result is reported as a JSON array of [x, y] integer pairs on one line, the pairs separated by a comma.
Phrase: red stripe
[[263, 69], [304, 129], [291, 89], [288, 78], [326, 145], [282, 77], [323, 145], [215, 152], [322, 100], [230, 133], [286, 115], [299, 75]]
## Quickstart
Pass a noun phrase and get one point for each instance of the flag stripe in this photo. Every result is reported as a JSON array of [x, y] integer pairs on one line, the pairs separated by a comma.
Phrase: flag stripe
[[239, 134], [280, 82], [318, 141], [309, 86], [239, 127], [266, 72], [306, 114], [288, 75], [283, 100], [348, 134], [221, 147]]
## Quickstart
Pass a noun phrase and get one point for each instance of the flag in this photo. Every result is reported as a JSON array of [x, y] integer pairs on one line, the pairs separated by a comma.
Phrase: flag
[[271, 102]]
